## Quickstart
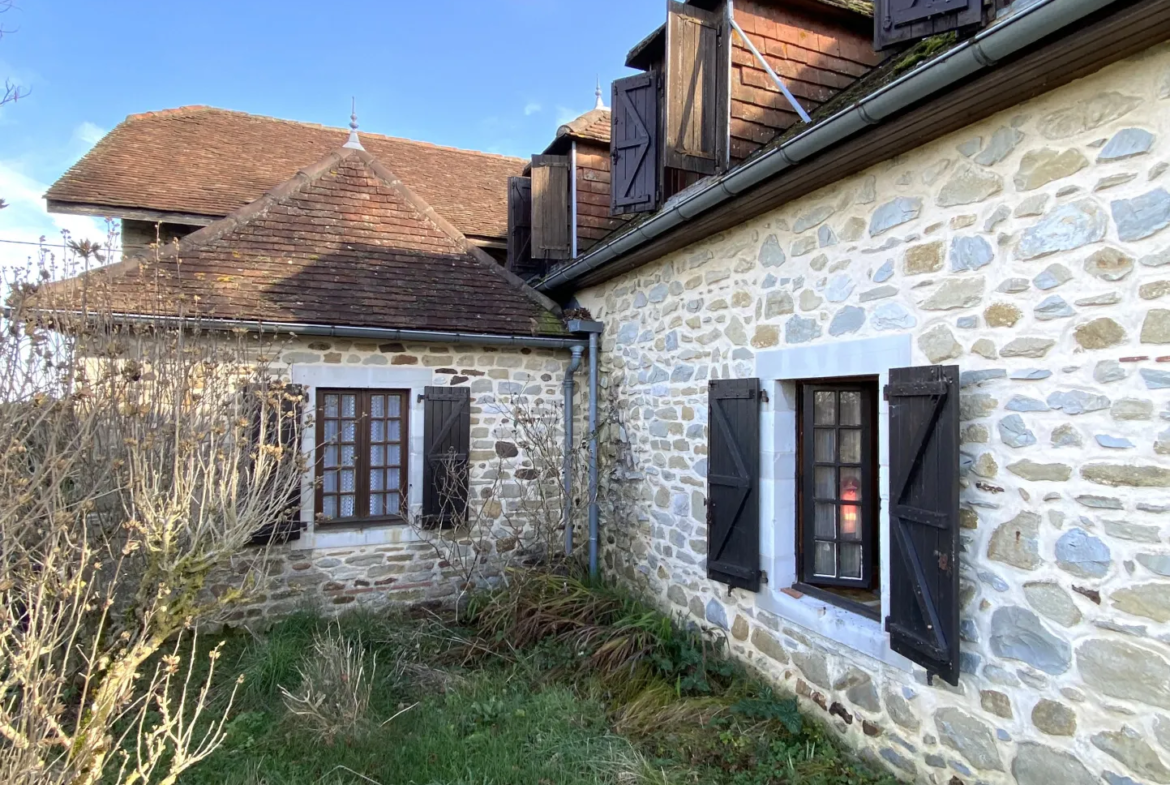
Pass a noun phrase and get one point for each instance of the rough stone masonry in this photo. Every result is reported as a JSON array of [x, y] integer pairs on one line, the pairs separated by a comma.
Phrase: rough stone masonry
[[1033, 250]]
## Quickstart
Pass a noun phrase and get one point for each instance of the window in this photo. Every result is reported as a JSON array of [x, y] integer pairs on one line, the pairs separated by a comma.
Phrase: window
[[361, 455], [837, 532]]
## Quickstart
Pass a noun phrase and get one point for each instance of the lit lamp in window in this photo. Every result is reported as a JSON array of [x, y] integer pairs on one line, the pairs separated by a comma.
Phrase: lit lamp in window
[[850, 513]]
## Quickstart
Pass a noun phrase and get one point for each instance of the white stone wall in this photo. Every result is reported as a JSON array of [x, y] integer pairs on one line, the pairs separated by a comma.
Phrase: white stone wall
[[333, 567], [1033, 250]]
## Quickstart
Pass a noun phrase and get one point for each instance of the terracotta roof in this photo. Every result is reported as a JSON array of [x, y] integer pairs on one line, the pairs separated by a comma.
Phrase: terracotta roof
[[344, 242], [209, 161], [592, 126]]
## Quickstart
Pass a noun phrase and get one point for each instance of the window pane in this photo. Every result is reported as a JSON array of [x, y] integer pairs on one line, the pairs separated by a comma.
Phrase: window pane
[[375, 504], [850, 561], [348, 455], [850, 522], [826, 450], [850, 446], [393, 478], [391, 504], [850, 485], [330, 405], [377, 405], [394, 431], [330, 457], [329, 507], [375, 479], [850, 412], [377, 455], [331, 430], [347, 506], [393, 455], [826, 522], [393, 405], [825, 482], [825, 560], [348, 406], [825, 408], [377, 430], [348, 431], [347, 480], [329, 482]]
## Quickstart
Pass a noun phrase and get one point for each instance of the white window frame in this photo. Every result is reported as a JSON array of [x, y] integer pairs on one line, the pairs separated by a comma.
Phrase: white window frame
[[779, 371], [312, 377]]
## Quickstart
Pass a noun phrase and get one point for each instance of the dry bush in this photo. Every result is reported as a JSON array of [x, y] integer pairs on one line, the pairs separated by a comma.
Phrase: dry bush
[[334, 694], [136, 457]]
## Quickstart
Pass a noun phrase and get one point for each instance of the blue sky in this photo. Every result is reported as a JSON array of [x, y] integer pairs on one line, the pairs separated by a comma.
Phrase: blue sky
[[496, 76]]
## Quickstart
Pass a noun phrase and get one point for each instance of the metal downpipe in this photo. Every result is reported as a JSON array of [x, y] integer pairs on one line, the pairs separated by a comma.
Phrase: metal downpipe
[[574, 364], [594, 510]]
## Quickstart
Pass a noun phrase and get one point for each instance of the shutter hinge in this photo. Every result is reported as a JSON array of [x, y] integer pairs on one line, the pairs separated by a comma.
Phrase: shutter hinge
[[886, 393], [763, 576], [764, 396]]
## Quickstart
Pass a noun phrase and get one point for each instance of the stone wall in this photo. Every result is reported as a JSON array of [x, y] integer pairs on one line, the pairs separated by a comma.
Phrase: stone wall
[[332, 568], [1033, 250]]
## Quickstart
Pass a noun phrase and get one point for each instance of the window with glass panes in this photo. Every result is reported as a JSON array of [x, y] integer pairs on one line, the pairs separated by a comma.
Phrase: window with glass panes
[[838, 484], [361, 454]]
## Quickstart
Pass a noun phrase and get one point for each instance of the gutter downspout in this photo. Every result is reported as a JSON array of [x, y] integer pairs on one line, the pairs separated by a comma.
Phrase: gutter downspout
[[1001, 40], [573, 198], [574, 364], [594, 510]]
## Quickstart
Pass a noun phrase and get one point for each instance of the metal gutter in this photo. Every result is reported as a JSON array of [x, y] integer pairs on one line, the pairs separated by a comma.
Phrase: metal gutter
[[1002, 39], [368, 333]]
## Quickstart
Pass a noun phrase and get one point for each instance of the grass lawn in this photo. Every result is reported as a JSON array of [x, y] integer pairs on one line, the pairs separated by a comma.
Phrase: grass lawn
[[554, 683]]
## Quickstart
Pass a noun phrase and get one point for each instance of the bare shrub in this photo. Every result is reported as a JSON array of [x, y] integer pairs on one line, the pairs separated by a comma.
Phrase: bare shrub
[[136, 457], [334, 694]]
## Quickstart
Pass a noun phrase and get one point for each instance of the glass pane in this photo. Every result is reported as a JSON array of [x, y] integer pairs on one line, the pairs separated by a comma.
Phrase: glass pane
[[393, 456], [329, 507], [850, 522], [377, 430], [825, 408], [331, 430], [348, 455], [850, 485], [375, 479], [330, 405], [825, 560], [375, 504], [330, 457], [377, 455], [348, 431], [347, 480], [347, 507], [329, 482], [825, 482], [850, 414], [850, 446], [826, 522], [391, 504], [348, 406], [850, 561], [377, 405], [393, 406], [393, 478], [394, 431], [826, 441]]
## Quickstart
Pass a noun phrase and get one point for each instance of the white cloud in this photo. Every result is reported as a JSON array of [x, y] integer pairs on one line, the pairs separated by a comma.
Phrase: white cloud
[[567, 115], [88, 134], [531, 108], [26, 220]]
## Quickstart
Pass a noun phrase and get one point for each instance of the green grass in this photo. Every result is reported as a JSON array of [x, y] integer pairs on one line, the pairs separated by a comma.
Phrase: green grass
[[554, 683]]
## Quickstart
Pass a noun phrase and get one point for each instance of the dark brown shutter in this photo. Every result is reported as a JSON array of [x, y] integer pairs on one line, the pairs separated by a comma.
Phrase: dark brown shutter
[[924, 517], [634, 144], [733, 477], [519, 225], [697, 108], [292, 398], [550, 207], [446, 447], [896, 21]]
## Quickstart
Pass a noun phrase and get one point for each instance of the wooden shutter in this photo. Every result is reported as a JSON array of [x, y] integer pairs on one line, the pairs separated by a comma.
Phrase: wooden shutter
[[924, 517], [634, 144], [896, 21], [550, 207], [733, 477], [446, 447], [697, 107], [288, 436], [519, 224]]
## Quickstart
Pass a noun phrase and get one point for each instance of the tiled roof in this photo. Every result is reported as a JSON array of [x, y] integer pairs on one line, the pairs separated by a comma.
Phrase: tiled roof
[[591, 126], [342, 243], [209, 161]]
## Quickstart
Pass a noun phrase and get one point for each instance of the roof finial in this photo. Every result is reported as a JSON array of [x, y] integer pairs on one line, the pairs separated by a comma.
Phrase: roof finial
[[600, 103], [353, 143]]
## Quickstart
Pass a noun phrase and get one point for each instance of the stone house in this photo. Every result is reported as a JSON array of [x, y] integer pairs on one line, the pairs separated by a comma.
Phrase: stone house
[[892, 379]]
